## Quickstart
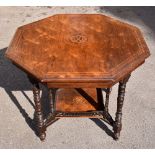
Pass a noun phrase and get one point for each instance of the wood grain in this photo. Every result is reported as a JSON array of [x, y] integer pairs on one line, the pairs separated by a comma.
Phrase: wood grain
[[87, 49], [77, 100]]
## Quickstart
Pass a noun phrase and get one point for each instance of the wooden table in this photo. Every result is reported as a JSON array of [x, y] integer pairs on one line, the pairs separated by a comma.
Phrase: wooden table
[[78, 57]]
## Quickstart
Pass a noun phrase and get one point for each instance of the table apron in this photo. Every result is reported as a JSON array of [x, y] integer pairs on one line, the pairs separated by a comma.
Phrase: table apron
[[79, 85]]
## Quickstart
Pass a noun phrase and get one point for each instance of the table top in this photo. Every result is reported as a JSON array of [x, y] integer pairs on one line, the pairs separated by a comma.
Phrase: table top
[[72, 48]]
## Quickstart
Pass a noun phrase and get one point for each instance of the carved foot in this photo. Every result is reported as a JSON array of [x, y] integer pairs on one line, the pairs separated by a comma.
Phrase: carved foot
[[116, 136], [117, 128], [42, 136]]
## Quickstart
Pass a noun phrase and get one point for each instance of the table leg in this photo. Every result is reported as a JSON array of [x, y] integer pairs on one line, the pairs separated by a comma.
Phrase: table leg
[[52, 95], [120, 99], [100, 98], [38, 110], [108, 91], [106, 107]]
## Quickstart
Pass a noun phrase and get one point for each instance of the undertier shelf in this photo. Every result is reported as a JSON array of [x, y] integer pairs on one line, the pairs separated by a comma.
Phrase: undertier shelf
[[79, 103]]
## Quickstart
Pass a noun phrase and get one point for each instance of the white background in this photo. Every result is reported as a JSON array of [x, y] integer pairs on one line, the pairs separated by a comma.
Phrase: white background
[[77, 2]]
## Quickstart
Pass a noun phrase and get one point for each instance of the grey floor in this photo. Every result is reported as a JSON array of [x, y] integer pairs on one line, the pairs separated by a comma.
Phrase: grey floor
[[16, 100]]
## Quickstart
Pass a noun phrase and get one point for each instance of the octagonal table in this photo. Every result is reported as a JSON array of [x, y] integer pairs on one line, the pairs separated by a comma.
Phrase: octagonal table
[[78, 57]]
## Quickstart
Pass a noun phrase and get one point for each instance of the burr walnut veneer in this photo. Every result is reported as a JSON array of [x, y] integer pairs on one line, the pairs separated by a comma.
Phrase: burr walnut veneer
[[78, 57]]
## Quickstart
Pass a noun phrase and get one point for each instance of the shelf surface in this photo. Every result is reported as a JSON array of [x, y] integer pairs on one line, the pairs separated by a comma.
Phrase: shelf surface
[[79, 100]]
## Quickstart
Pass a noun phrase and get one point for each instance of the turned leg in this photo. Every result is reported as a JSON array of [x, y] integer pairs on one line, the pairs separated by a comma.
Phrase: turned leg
[[108, 91], [106, 107], [38, 110], [100, 96], [52, 96], [120, 99]]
